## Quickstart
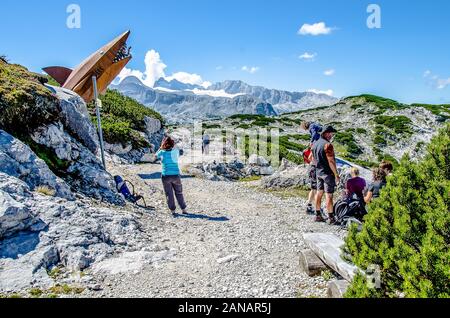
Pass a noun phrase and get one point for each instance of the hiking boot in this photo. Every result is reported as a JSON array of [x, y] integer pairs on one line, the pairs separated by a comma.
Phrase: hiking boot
[[331, 219], [319, 217], [310, 210]]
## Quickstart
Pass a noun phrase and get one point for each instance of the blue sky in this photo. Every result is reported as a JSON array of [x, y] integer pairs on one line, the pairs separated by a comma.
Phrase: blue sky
[[407, 59]]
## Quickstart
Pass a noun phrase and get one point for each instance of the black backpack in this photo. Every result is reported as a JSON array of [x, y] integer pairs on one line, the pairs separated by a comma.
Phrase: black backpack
[[348, 208]]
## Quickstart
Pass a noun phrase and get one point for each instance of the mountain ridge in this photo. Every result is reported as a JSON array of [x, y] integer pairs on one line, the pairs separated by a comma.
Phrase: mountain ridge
[[181, 102]]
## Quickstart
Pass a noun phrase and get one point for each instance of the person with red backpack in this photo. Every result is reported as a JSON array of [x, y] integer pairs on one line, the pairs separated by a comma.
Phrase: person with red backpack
[[314, 130]]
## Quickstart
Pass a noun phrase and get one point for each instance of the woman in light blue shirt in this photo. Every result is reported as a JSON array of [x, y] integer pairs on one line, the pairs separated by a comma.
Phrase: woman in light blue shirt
[[171, 178]]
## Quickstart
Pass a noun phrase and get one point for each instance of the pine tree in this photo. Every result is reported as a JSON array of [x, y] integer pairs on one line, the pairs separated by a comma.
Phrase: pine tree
[[407, 230]]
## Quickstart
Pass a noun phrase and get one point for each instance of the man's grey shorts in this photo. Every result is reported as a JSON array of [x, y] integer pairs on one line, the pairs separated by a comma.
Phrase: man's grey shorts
[[326, 183]]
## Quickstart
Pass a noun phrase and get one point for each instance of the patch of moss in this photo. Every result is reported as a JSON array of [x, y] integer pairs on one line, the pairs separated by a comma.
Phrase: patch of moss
[[25, 103]]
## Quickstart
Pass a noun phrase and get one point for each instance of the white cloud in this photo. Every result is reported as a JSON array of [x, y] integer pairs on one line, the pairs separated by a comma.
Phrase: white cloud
[[329, 72], [314, 29], [316, 91], [436, 81], [187, 78], [251, 69], [308, 56], [155, 69], [219, 68], [443, 83]]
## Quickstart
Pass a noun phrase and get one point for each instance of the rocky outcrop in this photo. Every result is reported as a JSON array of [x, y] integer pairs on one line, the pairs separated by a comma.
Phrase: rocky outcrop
[[85, 172], [19, 161], [291, 177], [39, 232], [75, 117], [232, 170]]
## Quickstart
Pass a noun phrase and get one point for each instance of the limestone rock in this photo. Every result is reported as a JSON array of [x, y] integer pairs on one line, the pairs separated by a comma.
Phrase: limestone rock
[[85, 171], [75, 117], [152, 125], [19, 161], [43, 232]]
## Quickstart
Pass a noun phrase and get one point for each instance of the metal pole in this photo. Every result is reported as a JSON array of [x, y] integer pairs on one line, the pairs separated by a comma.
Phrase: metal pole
[[99, 120]]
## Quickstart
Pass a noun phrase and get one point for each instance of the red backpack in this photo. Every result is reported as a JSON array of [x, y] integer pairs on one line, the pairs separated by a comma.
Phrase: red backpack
[[306, 154]]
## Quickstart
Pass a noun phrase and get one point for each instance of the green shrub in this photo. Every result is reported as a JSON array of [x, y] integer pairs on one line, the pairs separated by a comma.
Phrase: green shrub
[[126, 109], [117, 131], [407, 230], [123, 119], [382, 103], [347, 139], [361, 131], [284, 141], [400, 124]]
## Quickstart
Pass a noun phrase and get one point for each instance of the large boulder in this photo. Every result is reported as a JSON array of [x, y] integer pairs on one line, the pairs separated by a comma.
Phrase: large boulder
[[152, 125], [287, 178], [43, 232], [14, 216], [75, 117], [85, 172], [19, 161]]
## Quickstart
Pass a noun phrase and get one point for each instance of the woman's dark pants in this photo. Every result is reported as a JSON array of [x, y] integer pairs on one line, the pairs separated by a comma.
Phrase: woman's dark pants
[[173, 188]]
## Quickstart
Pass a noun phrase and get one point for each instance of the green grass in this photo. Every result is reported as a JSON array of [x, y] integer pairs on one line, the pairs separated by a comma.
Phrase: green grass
[[296, 192], [250, 179], [35, 292]]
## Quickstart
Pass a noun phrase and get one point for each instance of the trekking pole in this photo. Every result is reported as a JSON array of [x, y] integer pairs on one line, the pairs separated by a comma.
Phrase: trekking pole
[[99, 120]]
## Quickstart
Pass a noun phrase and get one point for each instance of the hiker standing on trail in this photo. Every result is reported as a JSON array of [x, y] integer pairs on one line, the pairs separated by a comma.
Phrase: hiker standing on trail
[[205, 144], [314, 130], [171, 178], [327, 173]]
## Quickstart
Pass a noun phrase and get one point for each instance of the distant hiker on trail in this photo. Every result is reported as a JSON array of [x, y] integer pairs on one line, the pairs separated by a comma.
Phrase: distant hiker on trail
[[314, 130], [171, 179], [327, 173], [355, 185], [387, 167], [379, 182], [205, 144]]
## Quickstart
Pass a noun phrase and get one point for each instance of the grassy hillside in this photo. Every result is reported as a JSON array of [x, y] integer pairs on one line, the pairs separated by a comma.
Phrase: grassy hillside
[[25, 103], [371, 128], [123, 119]]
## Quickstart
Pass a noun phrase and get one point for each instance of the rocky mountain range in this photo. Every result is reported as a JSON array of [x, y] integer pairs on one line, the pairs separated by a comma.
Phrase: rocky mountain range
[[282, 101], [181, 103]]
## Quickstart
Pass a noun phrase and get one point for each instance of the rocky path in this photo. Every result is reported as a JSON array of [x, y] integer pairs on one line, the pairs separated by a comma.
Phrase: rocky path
[[237, 242]]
